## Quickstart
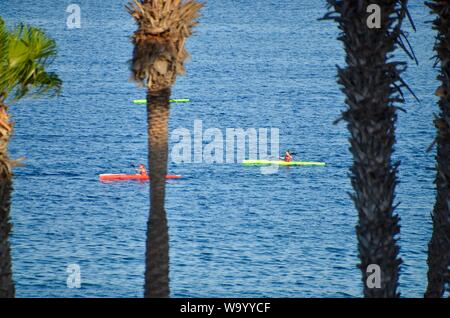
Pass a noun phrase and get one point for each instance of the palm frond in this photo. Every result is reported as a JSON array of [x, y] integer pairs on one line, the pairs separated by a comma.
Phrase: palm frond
[[28, 53], [163, 27], [3, 57]]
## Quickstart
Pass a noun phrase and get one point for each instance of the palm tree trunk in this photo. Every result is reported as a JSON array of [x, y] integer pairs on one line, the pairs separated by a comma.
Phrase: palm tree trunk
[[439, 246], [157, 253], [7, 288], [369, 85]]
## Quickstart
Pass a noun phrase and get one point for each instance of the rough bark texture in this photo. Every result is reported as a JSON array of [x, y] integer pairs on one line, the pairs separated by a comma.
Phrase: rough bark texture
[[6, 282], [439, 246], [158, 57], [164, 26], [370, 82], [157, 255]]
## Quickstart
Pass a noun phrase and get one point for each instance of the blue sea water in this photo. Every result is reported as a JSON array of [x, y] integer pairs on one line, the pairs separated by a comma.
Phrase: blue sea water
[[233, 230]]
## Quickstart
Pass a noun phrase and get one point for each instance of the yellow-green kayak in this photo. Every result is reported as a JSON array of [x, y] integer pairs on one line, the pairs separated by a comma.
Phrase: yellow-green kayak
[[281, 163], [179, 100]]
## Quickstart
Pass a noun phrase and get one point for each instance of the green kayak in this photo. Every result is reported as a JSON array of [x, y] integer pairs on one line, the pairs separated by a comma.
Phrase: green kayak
[[281, 163], [179, 100]]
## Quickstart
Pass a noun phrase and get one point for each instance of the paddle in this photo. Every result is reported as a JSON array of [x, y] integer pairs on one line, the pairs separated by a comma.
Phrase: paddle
[[292, 154], [135, 166], [179, 100]]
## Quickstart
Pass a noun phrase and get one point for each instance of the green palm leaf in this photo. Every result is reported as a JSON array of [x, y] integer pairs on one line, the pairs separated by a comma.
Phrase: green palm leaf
[[26, 52], [3, 54]]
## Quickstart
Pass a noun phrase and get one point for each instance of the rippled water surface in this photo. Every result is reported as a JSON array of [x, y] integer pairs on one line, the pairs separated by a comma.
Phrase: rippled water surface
[[233, 230]]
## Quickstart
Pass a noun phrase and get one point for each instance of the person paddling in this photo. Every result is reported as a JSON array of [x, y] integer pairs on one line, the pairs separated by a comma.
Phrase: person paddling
[[287, 156], [141, 170]]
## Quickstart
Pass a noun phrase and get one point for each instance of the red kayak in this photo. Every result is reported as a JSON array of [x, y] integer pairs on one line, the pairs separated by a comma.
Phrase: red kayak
[[138, 177]]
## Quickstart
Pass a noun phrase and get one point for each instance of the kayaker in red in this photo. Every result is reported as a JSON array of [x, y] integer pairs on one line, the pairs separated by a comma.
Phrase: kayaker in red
[[288, 156], [142, 171]]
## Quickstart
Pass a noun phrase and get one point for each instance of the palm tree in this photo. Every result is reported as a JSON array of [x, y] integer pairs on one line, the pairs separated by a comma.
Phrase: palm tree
[[25, 53], [439, 246], [158, 57], [371, 83]]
